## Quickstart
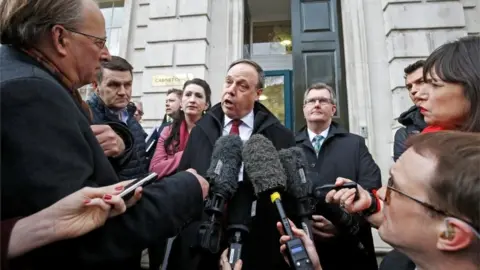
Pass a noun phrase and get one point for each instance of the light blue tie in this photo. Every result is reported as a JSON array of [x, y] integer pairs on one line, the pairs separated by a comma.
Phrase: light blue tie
[[317, 143]]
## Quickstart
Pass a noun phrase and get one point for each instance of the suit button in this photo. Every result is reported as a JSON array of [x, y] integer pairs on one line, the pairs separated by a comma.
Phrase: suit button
[[312, 165]]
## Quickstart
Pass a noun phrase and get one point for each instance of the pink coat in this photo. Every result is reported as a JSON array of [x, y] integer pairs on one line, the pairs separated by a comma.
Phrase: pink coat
[[162, 163]]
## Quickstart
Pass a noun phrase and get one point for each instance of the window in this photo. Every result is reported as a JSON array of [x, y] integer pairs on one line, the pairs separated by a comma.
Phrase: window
[[270, 38], [113, 11]]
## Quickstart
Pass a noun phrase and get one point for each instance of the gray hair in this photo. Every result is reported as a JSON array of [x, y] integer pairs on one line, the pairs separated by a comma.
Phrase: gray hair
[[321, 86], [258, 68], [23, 23]]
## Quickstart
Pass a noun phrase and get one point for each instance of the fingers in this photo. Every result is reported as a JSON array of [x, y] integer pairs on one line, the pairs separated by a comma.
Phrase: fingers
[[100, 203], [224, 265], [98, 129], [318, 218], [341, 181], [136, 197], [280, 228], [192, 171], [238, 265], [117, 203]]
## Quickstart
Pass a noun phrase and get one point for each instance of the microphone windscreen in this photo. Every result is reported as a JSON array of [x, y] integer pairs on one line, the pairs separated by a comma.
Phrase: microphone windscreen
[[225, 165], [299, 185], [262, 165]]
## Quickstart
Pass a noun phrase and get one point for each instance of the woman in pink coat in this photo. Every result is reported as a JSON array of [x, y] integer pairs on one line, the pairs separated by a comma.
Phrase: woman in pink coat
[[173, 139]]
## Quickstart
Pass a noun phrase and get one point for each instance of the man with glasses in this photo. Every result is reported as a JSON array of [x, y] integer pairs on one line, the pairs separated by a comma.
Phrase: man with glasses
[[332, 151], [49, 49], [430, 208]]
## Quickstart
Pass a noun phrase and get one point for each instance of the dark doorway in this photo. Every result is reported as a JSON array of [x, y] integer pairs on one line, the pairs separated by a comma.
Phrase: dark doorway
[[317, 53]]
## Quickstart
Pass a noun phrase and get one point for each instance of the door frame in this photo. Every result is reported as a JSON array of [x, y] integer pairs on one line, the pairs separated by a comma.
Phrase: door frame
[[287, 94]]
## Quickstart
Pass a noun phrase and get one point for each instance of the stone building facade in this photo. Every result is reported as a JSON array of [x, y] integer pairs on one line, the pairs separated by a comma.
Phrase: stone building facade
[[169, 41]]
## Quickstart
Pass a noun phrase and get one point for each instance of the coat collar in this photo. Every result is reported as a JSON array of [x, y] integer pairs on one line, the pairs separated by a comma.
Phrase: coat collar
[[302, 135], [213, 120]]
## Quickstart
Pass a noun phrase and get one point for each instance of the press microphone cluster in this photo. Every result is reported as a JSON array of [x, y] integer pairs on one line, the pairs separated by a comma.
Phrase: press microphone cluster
[[223, 177], [299, 186], [265, 171]]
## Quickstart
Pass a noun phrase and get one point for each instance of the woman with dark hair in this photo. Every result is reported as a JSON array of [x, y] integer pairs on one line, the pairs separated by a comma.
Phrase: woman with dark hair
[[449, 100], [450, 97], [173, 139]]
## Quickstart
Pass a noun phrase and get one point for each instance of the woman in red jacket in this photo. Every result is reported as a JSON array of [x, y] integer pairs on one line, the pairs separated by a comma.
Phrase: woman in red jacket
[[173, 139]]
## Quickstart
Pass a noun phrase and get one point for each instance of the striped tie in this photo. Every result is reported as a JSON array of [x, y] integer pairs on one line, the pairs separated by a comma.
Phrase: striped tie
[[317, 143]]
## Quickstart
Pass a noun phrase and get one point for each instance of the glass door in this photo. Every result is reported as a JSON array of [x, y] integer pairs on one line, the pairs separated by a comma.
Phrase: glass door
[[277, 95]]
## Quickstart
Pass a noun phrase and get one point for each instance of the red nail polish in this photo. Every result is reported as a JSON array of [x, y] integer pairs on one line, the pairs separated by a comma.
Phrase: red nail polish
[[119, 188], [107, 197], [86, 201]]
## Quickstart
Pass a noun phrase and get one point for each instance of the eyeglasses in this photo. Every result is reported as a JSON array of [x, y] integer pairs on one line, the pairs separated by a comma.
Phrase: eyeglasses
[[139, 112], [100, 42], [387, 201], [322, 101]]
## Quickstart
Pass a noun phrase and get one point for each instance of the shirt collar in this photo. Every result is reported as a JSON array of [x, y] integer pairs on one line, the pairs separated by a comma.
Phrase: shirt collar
[[247, 120], [311, 134]]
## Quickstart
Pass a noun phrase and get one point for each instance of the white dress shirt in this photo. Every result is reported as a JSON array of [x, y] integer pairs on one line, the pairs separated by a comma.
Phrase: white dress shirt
[[311, 134], [245, 129]]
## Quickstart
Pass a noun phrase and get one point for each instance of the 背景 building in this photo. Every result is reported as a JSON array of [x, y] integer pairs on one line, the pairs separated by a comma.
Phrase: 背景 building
[[358, 46]]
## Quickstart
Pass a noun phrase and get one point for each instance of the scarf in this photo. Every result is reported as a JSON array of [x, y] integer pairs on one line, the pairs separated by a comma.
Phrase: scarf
[[429, 129], [43, 60], [183, 136]]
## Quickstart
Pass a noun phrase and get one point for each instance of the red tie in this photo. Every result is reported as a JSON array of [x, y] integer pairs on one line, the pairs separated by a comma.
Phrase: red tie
[[235, 127]]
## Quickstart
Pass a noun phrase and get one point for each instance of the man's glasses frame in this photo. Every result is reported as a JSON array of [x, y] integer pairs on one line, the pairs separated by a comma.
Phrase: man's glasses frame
[[387, 200], [100, 42]]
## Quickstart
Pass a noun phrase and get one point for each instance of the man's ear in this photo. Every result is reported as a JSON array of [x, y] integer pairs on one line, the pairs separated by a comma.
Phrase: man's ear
[[454, 235], [95, 85], [259, 93]]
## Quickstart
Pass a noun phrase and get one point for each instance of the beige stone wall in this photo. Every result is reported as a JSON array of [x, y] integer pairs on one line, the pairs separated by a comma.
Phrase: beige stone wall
[[166, 38], [414, 30]]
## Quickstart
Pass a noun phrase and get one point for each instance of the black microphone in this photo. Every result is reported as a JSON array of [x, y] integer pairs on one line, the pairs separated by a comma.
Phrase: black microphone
[[294, 163], [239, 219], [265, 171], [223, 177]]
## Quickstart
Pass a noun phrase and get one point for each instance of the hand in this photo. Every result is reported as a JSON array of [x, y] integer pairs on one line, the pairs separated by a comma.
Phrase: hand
[[84, 210], [322, 227], [137, 195], [224, 265], [346, 197], [110, 142], [203, 183], [307, 243]]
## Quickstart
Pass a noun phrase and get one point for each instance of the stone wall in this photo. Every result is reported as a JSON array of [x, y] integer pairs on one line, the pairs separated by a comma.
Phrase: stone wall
[[168, 42], [414, 30]]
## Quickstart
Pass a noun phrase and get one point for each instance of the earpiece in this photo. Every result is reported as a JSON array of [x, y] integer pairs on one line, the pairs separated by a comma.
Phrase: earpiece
[[449, 233]]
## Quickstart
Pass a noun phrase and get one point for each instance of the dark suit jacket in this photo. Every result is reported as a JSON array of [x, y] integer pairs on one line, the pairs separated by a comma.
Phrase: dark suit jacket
[[342, 154], [49, 151], [261, 249]]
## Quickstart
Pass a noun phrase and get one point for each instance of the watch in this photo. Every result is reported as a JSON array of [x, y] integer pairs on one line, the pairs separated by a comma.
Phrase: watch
[[374, 205]]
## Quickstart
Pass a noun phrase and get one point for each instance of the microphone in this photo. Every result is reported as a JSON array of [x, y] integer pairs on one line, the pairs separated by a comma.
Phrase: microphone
[[294, 163], [223, 177], [265, 171], [238, 220]]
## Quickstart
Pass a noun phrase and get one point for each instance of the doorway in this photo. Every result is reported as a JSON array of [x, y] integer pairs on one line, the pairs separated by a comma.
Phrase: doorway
[[302, 38], [277, 95]]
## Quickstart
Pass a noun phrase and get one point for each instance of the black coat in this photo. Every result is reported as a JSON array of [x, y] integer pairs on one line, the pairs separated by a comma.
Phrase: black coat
[[342, 154], [413, 123], [137, 165], [49, 152], [261, 250]]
